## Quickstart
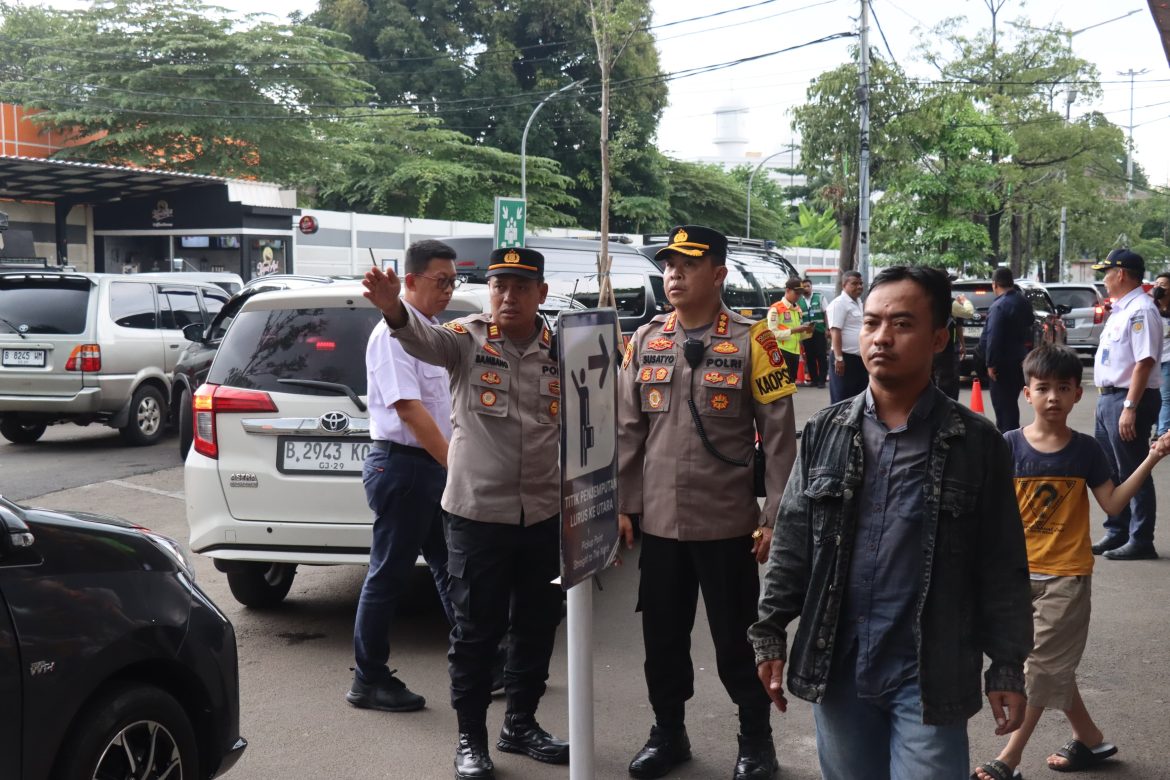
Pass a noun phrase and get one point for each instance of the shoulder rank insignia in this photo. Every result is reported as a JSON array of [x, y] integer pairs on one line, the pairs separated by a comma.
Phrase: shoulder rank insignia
[[455, 327], [491, 349], [660, 344], [725, 348], [545, 336], [721, 325], [671, 319], [629, 354], [490, 377], [494, 332]]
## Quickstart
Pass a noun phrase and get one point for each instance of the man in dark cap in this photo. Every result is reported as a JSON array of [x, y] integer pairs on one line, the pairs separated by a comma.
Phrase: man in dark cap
[[1126, 371], [695, 387], [502, 509]]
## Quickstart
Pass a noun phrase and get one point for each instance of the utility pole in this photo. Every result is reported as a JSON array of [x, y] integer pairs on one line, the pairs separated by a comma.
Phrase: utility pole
[[1129, 146], [1063, 234], [863, 169], [524, 137]]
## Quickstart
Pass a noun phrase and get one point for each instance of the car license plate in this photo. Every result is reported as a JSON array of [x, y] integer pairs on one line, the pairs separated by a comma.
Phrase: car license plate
[[972, 333], [1070, 322], [340, 457], [23, 357]]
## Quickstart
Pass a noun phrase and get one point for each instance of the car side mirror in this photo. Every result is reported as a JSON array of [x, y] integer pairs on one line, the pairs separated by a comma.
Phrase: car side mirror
[[193, 331], [17, 534], [1063, 309]]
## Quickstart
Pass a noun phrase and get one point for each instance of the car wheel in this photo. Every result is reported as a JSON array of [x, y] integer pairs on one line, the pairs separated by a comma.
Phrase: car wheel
[[261, 584], [131, 732], [148, 413], [19, 432], [186, 424]]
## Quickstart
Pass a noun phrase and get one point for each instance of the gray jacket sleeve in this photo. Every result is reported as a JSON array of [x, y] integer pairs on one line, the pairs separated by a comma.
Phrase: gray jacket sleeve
[[786, 576], [1004, 604]]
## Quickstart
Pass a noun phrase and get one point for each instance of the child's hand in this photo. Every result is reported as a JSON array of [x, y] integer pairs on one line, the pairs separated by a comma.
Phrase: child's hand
[[1161, 445]]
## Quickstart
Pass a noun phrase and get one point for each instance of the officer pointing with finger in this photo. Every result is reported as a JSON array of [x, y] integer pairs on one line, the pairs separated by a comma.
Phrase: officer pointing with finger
[[694, 389], [502, 500]]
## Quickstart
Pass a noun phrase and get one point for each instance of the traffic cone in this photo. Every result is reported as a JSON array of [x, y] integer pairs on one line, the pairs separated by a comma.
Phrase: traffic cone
[[800, 379], [976, 396]]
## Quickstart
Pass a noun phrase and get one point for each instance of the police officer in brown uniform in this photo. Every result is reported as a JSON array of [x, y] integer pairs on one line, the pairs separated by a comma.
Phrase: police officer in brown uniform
[[501, 500], [695, 387]]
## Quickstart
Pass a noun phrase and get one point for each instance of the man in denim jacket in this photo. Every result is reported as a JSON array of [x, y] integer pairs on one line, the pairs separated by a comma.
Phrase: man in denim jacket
[[899, 545]]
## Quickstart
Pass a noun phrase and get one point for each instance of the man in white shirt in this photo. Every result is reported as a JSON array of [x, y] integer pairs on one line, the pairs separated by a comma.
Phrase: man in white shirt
[[404, 476], [1126, 371], [848, 377]]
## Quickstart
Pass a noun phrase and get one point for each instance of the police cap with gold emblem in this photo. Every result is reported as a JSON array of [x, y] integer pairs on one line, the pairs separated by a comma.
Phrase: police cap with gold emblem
[[695, 241], [516, 260]]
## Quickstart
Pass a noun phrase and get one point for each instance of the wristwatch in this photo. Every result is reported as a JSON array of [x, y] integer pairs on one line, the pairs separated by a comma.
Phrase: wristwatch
[[1127, 404]]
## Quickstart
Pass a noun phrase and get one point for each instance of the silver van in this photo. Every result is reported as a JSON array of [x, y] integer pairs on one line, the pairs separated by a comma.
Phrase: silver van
[[93, 348]]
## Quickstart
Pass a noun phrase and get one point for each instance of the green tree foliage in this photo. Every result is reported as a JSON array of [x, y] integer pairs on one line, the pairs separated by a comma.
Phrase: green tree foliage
[[829, 127], [816, 229], [179, 84], [703, 194], [396, 162], [482, 67]]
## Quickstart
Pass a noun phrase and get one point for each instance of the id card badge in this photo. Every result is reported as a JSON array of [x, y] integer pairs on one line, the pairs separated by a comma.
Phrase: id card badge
[[1105, 356]]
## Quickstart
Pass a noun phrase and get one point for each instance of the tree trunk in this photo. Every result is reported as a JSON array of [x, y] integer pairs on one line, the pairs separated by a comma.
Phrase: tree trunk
[[994, 220], [602, 21], [1016, 248], [847, 255]]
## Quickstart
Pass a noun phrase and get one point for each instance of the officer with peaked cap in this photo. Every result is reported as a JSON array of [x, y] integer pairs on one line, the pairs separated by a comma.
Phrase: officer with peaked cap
[[695, 388], [502, 504], [1125, 370]]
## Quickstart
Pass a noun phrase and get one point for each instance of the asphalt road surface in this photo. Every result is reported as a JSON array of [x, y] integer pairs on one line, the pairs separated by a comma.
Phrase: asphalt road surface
[[295, 660]]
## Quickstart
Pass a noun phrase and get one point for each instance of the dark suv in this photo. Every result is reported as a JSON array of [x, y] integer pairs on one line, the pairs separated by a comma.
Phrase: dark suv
[[570, 268], [1049, 327], [756, 274], [113, 663]]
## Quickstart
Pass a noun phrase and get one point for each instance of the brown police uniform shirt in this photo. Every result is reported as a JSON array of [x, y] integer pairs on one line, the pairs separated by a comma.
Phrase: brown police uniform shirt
[[503, 461], [665, 474]]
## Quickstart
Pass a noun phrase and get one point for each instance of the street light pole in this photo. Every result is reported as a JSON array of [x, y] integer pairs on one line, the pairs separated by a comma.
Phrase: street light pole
[[863, 167], [1129, 146], [747, 228], [524, 138]]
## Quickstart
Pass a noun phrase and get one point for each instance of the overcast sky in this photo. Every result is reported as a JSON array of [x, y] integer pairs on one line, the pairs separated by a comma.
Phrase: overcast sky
[[771, 86]]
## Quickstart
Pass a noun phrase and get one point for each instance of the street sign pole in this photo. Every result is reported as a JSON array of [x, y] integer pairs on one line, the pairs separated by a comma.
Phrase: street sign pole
[[581, 740], [587, 375]]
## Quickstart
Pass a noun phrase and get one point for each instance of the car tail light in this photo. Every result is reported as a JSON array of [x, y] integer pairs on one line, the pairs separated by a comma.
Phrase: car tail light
[[85, 358], [211, 400], [1098, 315]]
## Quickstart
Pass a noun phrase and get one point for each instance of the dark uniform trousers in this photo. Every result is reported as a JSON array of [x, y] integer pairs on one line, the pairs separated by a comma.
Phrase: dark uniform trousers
[[815, 354], [1005, 396], [501, 583], [672, 574]]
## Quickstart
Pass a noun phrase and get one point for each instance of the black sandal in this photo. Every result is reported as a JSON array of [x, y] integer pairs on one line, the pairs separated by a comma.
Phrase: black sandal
[[998, 771], [1079, 756]]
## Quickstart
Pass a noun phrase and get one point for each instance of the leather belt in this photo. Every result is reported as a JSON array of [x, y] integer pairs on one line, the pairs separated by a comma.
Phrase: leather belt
[[1110, 390], [401, 449]]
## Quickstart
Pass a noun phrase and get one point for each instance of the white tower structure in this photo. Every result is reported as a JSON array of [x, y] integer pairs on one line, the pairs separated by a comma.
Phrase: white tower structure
[[731, 142]]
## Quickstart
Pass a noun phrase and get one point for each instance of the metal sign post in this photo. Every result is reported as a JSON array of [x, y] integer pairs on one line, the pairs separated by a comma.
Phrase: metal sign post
[[511, 218], [589, 529]]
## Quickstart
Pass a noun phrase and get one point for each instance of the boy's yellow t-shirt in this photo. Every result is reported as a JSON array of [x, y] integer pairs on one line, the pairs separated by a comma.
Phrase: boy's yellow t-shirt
[[1052, 489]]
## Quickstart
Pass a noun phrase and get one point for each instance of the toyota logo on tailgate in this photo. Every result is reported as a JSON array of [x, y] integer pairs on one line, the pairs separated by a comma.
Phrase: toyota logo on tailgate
[[334, 422]]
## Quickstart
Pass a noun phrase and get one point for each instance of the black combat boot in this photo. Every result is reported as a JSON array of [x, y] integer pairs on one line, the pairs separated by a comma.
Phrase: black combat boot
[[522, 734], [471, 757], [665, 749], [757, 759]]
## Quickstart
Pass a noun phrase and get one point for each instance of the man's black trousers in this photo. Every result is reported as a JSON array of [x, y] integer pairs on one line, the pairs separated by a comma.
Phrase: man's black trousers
[[1005, 396], [672, 573], [815, 355], [501, 579]]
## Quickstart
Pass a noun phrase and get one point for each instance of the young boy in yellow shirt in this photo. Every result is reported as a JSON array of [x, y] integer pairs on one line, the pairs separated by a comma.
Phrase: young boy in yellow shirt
[[1056, 468]]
